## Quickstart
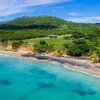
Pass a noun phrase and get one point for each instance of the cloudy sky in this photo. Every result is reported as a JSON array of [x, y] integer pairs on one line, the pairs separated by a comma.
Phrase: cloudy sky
[[72, 10]]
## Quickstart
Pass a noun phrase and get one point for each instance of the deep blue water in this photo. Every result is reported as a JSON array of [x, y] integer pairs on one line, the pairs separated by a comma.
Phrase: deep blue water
[[35, 80]]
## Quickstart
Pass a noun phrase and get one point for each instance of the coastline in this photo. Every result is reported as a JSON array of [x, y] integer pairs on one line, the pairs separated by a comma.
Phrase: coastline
[[92, 69]]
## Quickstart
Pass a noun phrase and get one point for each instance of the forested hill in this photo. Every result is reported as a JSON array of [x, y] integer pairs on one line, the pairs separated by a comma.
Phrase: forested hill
[[41, 22]]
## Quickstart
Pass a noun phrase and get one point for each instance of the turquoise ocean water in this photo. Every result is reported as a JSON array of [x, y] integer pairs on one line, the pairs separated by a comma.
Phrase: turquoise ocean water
[[35, 80]]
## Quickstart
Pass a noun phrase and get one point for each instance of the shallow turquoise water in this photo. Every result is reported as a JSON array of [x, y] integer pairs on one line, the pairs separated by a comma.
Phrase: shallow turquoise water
[[35, 80]]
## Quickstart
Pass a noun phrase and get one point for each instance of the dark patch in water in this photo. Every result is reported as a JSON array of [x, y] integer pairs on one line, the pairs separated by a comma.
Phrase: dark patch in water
[[45, 85], [5, 82], [83, 93], [79, 88]]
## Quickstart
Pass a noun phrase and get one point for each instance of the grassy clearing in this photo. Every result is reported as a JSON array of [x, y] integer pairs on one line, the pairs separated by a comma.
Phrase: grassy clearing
[[58, 40]]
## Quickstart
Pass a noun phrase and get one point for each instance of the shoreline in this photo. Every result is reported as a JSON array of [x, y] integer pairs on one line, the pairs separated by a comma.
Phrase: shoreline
[[91, 70]]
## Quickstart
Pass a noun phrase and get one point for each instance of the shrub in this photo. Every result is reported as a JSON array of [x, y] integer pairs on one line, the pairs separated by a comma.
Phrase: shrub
[[59, 53], [95, 54], [74, 50], [42, 42], [65, 37], [4, 43], [95, 57], [17, 44], [77, 35], [82, 45], [41, 47]]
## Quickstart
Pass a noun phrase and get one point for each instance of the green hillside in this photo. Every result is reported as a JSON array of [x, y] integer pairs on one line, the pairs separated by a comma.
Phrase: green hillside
[[41, 22]]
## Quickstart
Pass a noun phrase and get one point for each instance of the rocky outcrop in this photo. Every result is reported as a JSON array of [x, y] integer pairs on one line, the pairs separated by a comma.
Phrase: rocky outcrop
[[25, 48]]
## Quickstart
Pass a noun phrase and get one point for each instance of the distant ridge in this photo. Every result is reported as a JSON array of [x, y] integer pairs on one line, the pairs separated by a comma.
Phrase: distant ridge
[[42, 22], [97, 23], [49, 22]]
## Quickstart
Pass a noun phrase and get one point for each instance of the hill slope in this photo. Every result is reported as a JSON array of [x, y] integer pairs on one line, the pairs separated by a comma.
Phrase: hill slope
[[40, 22]]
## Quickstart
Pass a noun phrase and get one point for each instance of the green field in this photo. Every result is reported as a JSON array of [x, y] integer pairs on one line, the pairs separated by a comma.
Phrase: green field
[[58, 40]]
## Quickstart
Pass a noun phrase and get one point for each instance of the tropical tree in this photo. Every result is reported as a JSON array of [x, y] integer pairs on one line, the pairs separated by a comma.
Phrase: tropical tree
[[42, 47]]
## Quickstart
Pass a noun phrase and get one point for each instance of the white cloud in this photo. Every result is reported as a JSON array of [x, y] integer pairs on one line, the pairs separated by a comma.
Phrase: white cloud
[[9, 11], [8, 7], [73, 13], [92, 19]]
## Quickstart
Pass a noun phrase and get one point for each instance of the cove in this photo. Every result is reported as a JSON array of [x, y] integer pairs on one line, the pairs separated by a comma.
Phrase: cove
[[36, 80]]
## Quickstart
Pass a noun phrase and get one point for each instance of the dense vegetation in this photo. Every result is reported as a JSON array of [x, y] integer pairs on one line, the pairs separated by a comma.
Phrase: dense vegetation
[[78, 39], [41, 22]]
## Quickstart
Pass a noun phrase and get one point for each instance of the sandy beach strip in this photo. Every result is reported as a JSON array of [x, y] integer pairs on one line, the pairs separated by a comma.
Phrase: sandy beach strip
[[15, 54], [80, 65]]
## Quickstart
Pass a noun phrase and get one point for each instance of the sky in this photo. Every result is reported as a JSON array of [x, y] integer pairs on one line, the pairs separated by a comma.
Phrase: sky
[[85, 11]]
